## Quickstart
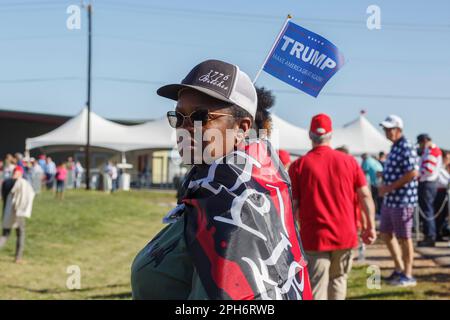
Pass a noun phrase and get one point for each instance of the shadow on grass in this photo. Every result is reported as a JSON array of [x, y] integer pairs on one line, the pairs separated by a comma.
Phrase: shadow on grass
[[434, 277], [58, 291], [364, 265], [437, 294], [381, 295], [123, 295], [386, 259]]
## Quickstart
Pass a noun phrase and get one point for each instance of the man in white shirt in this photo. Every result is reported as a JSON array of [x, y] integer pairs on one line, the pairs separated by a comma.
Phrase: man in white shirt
[[441, 203], [430, 164]]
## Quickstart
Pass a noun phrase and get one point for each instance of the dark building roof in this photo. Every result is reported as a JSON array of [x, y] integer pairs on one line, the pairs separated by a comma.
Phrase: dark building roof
[[33, 117], [16, 126], [50, 118]]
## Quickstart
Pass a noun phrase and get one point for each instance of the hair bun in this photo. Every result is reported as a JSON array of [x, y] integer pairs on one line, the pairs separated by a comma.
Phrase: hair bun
[[266, 100]]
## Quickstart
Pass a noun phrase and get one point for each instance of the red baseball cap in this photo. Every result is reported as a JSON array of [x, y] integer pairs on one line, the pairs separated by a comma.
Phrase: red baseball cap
[[285, 157], [321, 124]]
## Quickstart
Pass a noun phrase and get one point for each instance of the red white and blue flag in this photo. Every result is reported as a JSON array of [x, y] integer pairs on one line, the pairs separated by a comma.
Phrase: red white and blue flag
[[240, 230], [303, 59]]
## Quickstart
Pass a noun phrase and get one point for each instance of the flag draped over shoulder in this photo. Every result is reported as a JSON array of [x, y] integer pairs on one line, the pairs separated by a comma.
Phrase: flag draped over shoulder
[[240, 229]]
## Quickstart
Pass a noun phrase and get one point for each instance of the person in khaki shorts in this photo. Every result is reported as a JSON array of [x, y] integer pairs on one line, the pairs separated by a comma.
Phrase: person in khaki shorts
[[325, 184], [328, 273]]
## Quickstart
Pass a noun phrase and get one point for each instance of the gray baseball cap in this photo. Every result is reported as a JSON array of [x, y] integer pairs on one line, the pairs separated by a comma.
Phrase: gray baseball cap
[[220, 80]]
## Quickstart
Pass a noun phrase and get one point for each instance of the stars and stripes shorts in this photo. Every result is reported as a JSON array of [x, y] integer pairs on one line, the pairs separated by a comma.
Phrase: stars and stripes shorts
[[398, 221]]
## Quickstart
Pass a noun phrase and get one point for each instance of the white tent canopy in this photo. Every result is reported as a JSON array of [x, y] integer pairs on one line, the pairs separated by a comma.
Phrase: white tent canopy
[[289, 137], [360, 136], [155, 134], [104, 134]]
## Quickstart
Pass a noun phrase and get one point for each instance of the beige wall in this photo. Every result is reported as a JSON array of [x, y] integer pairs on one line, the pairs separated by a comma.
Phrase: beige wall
[[160, 167]]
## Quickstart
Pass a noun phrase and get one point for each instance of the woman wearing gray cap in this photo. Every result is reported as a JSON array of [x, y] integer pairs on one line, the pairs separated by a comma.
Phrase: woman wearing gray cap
[[232, 234]]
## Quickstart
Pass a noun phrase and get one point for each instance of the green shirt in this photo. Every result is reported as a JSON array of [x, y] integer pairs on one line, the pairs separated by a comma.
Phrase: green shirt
[[164, 270]]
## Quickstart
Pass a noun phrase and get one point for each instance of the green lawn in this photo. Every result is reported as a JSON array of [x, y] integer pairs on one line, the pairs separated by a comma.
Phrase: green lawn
[[432, 283], [102, 233]]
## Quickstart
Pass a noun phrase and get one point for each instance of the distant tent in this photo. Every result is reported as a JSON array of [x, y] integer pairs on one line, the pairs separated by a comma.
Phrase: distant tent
[[155, 134], [104, 134], [360, 136], [289, 137]]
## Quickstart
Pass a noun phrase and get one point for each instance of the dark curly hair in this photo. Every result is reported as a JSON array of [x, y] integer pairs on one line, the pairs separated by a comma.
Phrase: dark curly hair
[[266, 100], [262, 120]]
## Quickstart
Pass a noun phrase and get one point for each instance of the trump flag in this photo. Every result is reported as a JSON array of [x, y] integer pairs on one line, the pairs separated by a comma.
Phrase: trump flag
[[303, 59]]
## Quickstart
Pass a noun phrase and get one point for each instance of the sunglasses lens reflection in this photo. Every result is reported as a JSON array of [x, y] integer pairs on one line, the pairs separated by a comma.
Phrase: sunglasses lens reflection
[[173, 119]]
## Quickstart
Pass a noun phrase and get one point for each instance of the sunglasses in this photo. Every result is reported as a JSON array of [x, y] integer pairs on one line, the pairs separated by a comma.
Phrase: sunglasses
[[176, 119]]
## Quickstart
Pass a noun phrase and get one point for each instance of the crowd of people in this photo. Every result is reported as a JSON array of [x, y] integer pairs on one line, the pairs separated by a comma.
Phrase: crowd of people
[[22, 178], [410, 177], [43, 172]]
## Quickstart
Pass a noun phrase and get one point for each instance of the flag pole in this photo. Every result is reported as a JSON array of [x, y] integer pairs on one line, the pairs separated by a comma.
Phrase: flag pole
[[88, 103], [289, 17]]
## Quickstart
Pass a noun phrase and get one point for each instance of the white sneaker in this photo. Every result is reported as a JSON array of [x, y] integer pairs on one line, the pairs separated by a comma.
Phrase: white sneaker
[[405, 281]]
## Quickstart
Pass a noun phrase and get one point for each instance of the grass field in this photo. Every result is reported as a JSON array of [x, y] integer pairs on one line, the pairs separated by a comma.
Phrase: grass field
[[101, 234], [433, 284]]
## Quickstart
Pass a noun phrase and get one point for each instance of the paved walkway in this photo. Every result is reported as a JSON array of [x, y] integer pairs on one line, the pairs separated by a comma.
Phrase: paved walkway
[[431, 269], [439, 254], [379, 255]]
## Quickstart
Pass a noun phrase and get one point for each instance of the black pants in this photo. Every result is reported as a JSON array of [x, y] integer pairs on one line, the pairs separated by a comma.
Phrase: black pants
[[378, 201], [427, 195], [442, 218], [50, 181], [20, 232]]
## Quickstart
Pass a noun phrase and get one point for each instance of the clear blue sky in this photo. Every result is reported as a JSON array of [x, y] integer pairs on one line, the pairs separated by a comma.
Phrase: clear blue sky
[[404, 68]]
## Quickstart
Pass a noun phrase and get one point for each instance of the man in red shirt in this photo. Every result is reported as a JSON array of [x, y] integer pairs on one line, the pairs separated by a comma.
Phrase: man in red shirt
[[325, 184]]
